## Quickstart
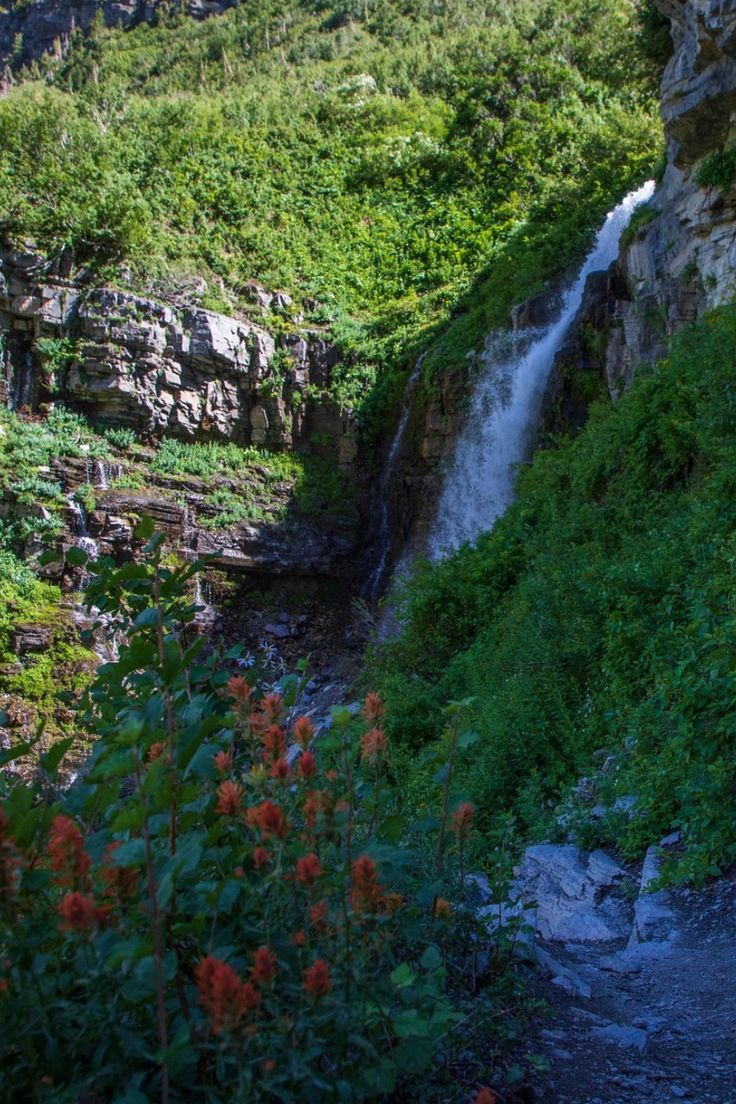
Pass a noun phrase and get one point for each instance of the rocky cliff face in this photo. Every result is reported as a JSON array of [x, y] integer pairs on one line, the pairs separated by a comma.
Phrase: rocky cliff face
[[29, 30], [682, 259], [172, 370], [164, 368], [679, 257]]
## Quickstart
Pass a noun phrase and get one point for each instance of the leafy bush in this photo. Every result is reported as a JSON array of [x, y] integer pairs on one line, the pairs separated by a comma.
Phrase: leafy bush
[[382, 163], [718, 170], [230, 509], [597, 614], [174, 457], [120, 436], [206, 916]]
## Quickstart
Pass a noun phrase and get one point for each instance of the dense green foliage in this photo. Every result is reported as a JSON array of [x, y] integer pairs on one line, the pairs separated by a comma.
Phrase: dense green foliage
[[377, 158], [599, 614], [200, 918]]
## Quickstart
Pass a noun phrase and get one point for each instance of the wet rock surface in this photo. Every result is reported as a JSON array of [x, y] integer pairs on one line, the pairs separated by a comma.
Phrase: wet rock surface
[[647, 1014]]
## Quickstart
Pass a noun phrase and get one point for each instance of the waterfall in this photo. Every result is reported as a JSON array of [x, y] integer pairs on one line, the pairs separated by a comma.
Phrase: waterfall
[[206, 612], [79, 528], [101, 475], [377, 578], [500, 428]]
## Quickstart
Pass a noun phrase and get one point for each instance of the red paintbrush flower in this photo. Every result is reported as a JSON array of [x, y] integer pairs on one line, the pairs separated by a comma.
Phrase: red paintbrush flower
[[264, 967], [317, 980], [308, 869], [223, 995]]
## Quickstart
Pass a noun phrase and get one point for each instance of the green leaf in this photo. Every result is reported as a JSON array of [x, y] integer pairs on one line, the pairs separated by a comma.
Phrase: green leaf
[[130, 853], [77, 557], [410, 1023], [402, 976], [467, 740], [145, 528], [51, 761], [431, 959]]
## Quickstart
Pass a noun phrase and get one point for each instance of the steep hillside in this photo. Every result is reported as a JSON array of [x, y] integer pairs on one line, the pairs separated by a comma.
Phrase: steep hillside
[[592, 627], [241, 231]]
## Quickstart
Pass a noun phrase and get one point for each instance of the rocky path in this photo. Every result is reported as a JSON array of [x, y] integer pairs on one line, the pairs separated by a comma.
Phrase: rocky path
[[642, 986]]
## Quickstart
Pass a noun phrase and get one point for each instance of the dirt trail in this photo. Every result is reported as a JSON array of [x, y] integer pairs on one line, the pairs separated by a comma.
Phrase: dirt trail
[[659, 1023]]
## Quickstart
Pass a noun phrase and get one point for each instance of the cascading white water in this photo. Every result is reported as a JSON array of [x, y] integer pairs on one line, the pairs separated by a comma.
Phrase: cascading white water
[[79, 528], [101, 480], [499, 432]]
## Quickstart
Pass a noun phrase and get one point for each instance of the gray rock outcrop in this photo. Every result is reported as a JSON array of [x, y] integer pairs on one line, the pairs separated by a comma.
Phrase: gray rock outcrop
[[28, 31], [167, 369], [680, 257]]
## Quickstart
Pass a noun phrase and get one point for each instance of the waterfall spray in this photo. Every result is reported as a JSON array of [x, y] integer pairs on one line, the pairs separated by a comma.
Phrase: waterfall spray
[[499, 432]]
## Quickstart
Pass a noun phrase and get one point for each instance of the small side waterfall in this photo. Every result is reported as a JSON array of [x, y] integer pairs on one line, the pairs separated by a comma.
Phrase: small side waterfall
[[101, 479], [377, 579], [79, 530], [499, 432]]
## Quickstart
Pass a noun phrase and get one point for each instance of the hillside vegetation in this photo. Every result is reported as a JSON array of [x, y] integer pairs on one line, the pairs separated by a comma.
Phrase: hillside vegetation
[[598, 615], [377, 156]]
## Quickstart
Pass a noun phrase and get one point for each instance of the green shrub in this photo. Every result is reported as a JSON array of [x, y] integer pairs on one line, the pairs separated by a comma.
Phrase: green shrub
[[597, 614], [718, 170], [196, 919], [389, 166]]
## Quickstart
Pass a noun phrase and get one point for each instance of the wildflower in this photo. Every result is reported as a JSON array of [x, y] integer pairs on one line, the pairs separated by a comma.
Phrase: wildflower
[[223, 995], [229, 798], [302, 731], [332, 775], [78, 912], [307, 765], [313, 804], [485, 1096], [223, 762], [257, 722], [373, 708], [280, 770], [261, 857], [367, 893], [239, 689], [264, 966], [299, 938], [272, 706], [155, 752], [268, 818], [308, 870], [274, 743], [269, 1065], [318, 915], [373, 745], [442, 909], [317, 980], [121, 882], [69, 861], [462, 819]]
